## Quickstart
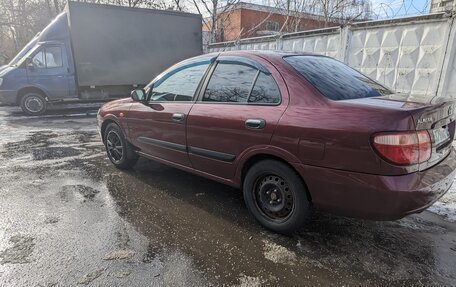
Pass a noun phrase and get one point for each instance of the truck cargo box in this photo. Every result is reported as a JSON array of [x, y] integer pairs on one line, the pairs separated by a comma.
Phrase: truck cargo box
[[115, 46]]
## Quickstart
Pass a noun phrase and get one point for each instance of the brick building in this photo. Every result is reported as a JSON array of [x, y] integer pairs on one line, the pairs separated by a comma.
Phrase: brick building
[[245, 20]]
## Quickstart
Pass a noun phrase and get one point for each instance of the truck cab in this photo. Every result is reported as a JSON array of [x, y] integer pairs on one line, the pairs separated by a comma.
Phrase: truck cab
[[41, 72]]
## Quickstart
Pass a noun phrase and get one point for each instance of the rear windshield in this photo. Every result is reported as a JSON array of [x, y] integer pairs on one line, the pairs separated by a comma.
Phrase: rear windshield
[[336, 80]]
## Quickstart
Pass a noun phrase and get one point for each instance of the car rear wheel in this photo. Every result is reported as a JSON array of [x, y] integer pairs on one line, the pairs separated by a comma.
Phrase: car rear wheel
[[118, 149], [33, 104], [276, 196]]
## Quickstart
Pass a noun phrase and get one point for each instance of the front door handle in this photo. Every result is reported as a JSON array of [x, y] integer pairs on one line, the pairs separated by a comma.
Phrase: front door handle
[[255, 123], [178, 117]]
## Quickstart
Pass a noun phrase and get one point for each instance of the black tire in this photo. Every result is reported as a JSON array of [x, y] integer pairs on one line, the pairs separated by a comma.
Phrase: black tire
[[122, 156], [276, 196], [33, 104]]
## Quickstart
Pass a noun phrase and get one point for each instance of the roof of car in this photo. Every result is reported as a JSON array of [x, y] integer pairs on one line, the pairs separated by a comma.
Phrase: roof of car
[[273, 56], [262, 53], [270, 53]]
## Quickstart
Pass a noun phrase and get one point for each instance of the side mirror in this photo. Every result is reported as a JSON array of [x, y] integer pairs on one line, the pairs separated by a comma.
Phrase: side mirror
[[138, 95]]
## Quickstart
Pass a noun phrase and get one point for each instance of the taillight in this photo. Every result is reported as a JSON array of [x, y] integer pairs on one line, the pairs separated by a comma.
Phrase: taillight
[[403, 148]]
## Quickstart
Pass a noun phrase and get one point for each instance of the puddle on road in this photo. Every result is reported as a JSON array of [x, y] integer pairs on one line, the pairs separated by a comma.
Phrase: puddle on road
[[19, 251], [46, 145], [86, 192], [34, 140], [53, 153]]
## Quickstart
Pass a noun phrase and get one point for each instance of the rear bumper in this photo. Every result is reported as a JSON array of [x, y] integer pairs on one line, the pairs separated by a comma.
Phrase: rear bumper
[[378, 197], [7, 97]]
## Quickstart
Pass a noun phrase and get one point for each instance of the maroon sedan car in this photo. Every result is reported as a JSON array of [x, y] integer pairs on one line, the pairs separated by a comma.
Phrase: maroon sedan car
[[293, 131]]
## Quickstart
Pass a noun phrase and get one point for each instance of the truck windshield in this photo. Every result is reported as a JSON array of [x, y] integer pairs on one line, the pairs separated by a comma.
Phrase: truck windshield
[[335, 80], [20, 56]]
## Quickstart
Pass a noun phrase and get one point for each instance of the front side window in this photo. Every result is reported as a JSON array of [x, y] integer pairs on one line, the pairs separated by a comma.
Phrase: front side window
[[50, 57], [179, 85], [336, 80], [39, 60]]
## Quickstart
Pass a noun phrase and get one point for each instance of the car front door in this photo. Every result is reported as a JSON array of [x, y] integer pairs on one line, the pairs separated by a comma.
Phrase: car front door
[[48, 69], [238, 109], [157, 127]]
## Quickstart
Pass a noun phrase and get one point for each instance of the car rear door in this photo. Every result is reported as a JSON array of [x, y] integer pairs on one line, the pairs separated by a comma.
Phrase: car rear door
[[237, 110], [157, 127]]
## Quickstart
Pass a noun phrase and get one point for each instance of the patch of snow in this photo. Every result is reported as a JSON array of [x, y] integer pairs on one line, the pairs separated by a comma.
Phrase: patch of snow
[[446, 206], [120, 254], [249, 281], [278, 253]]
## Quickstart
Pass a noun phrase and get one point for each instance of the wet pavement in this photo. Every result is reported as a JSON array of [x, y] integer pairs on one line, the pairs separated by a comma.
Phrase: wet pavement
[[69, 218]]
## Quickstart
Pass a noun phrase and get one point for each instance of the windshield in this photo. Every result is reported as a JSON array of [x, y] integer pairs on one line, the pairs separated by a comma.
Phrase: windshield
[[21, 55], [336, 80]]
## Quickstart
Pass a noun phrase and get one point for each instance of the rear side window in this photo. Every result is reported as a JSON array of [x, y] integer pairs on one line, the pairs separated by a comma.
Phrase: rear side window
[[265, 90], [336, 80], [230, 83], [240, 83]]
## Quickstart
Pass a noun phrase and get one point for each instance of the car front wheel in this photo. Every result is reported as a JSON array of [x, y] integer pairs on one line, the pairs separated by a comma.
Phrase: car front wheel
[[118, 149], [276, 196]]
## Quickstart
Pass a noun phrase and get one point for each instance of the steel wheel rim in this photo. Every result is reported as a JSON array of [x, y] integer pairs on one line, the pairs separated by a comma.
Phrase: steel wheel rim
[[274, 197], [114, 146], [34, 104]]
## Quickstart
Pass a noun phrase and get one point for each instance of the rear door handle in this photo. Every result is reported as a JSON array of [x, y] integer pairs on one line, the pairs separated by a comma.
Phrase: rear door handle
[[178, 117], [255, 123]]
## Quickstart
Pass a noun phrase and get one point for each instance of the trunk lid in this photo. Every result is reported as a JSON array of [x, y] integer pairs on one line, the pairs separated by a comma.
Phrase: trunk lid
[[437, 117]]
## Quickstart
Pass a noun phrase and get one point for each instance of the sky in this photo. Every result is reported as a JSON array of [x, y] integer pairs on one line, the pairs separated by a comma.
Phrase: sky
[[399, 8], [385, 8]]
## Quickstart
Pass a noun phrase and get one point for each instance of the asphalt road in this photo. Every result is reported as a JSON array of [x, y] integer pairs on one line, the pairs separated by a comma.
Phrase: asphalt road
[[69, 218]]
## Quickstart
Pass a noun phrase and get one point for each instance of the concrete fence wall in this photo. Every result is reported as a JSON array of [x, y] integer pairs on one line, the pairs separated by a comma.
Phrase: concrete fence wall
[[410, 55]]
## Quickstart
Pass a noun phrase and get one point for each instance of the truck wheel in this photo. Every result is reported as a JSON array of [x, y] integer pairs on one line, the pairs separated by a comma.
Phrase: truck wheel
[[33, 104], [118, 149], [276, 196]]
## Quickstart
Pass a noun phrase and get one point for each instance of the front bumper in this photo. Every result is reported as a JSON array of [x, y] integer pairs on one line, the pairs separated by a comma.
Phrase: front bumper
[[8, 97], [378, 197]]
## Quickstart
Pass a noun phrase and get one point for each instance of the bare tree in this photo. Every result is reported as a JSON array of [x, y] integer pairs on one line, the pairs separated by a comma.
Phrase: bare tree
[[299, 15], [215, 15], [343, 10], [332, 12]]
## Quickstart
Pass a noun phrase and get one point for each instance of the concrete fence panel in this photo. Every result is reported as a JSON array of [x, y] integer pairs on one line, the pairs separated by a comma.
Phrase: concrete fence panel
[[406, 57]]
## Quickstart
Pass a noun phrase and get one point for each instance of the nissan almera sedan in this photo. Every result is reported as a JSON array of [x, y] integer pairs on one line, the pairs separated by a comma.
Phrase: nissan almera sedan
[[294, 131]]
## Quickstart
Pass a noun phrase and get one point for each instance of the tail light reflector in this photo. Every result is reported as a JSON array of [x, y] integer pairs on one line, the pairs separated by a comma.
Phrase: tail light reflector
[[403, 148]]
